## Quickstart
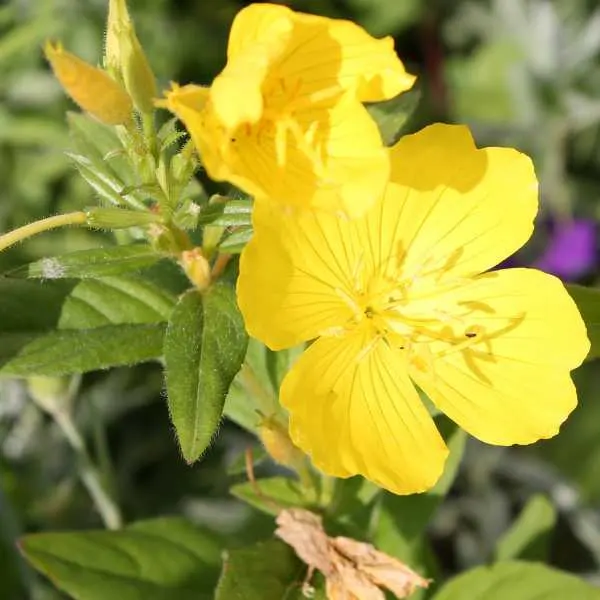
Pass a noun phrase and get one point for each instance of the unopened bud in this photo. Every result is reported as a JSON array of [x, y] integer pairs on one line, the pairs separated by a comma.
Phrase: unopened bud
[[196, 267], [91, 88], [124, 56], [278, 443], [117, 218]]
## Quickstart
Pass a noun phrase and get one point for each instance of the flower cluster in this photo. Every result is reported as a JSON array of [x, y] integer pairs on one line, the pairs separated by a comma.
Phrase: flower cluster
[[378, 257]]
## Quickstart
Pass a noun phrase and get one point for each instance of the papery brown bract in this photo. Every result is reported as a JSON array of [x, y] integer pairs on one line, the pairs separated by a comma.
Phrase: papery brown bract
[[353, 570]]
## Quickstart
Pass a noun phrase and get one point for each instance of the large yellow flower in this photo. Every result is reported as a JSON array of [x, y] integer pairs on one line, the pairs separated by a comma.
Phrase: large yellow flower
[[399, 295], [284, 118]]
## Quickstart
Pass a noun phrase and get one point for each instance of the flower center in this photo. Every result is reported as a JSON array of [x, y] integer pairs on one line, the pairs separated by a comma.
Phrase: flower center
[[407, 317]]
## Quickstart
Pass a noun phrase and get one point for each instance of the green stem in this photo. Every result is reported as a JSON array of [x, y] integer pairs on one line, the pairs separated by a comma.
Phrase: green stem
[[148, 125], [265, 402], [89, 474], [22, 233], [105, 463]]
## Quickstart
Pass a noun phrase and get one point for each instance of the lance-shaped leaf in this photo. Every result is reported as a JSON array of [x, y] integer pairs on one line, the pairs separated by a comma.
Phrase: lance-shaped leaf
[[160, 559], [204, 348], [69, 326], [92, 263], [236, 241]]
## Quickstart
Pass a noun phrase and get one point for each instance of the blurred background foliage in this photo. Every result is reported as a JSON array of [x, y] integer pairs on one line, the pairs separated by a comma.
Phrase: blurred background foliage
[[524, 73]]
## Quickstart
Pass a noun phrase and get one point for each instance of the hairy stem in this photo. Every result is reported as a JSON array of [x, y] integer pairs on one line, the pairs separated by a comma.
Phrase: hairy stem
[[31, 229]]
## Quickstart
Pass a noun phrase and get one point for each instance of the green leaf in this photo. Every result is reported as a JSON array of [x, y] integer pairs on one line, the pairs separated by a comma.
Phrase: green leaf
[[392, 116], [236, 241], [517, 581], [93, 263], [78, 351], [267, 571], [588, 302], [381, 17], [529, 535], [204, 348], [403, 519], [273, 494], [101, 146], [160, 559], [69, 326], [226, 212]]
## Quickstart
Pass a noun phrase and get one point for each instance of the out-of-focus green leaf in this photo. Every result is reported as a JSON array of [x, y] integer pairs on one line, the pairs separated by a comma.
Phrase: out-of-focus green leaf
[[575, 453], [267, 571], [403, 519], [70, 326], [529, 535], [393, 115], [257, 384], [480, 83], [273, 494], [353, 507], [93, 263], [160, 559], [517, 581], [23, 38], [15, 574], [588, 302], [238, 465], [382, 17], [204, 348]]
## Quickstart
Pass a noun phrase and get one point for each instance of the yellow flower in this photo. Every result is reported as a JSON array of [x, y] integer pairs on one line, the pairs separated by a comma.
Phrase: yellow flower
[[400, 296], [91, 88], [284, 119]]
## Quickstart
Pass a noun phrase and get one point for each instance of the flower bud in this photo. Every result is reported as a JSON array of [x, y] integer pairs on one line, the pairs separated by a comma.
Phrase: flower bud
[[125, 57], [91, 88], [117, 218], [278, 444], [196, 267]]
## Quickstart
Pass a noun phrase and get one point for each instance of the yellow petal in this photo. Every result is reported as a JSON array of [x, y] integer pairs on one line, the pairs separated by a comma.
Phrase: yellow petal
[[191, 104], [510, 383], [91, 88], [258, 24], [458, 210], [322, 53], [295, 276], [321, 167], [354, 410], [237, 92], [331, 52]]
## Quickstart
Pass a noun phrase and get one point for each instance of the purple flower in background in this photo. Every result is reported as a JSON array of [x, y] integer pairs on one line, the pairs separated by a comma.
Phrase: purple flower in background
[[571, 250]]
